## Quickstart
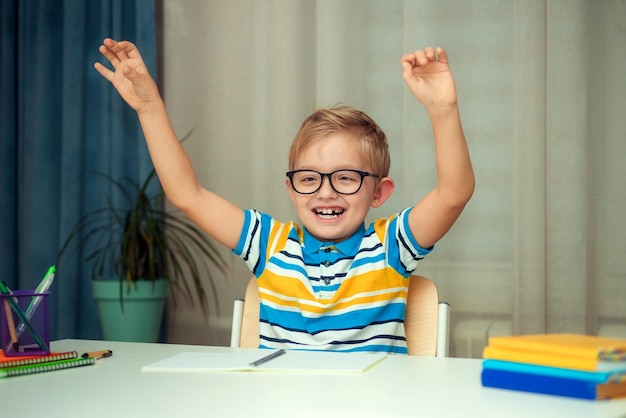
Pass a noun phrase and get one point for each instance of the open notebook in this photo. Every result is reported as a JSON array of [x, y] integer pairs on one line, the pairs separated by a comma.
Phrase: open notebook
[[293, 361]]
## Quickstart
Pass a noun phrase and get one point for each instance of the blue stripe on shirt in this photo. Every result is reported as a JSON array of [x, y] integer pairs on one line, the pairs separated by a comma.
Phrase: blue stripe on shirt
[[392, 312]]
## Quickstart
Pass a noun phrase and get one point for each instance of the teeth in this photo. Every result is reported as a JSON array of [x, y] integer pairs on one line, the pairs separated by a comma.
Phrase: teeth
[[328, 213]]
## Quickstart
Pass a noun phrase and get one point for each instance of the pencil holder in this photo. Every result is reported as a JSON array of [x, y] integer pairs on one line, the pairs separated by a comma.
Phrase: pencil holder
[[24, 323]]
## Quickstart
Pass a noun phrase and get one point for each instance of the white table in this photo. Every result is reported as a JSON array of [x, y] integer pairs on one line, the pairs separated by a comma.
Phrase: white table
[[399, 386]]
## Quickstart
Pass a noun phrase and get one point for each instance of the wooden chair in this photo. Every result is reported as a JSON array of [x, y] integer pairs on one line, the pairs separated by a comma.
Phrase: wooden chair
[[426, 319], [245, 329]]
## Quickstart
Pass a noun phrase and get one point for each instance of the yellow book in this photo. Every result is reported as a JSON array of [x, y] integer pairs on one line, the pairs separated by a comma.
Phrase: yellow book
[[571, 351]]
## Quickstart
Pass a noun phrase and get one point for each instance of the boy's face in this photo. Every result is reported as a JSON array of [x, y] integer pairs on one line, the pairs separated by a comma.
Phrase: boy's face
[[326, 214]]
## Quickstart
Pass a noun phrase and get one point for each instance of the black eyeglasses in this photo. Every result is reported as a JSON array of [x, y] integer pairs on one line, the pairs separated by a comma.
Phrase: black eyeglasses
[[342, 181]]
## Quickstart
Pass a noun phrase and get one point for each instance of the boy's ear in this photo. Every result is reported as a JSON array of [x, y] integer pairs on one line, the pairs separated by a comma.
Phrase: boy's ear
[[383, 191], [290, 189]]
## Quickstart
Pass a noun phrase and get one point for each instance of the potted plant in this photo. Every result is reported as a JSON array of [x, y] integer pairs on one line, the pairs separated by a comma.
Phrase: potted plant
[[151, 251]]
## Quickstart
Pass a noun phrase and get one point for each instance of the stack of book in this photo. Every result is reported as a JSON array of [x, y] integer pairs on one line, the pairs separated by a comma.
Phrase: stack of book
[[21, 365], [572, 365]]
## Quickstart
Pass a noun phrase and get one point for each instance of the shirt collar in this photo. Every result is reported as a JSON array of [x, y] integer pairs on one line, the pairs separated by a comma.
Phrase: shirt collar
[[346, 247]]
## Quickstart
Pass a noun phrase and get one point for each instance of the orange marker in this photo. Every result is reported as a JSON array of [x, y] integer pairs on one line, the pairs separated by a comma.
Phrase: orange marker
[[12, 332], [98, 354]]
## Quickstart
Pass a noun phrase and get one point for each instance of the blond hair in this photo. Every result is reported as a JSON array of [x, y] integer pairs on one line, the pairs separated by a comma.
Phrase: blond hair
[[370, 140]]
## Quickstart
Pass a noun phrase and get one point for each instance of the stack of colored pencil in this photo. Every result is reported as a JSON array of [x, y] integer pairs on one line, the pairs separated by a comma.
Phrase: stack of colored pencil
[[22, 365], [571, 365]]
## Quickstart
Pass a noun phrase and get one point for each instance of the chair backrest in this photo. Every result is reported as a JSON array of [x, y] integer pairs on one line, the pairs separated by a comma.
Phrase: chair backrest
[[250, 317], [426, 319]]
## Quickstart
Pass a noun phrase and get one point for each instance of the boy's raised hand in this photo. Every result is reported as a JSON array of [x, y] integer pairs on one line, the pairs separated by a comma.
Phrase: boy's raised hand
[[428, 76], [130, 76]]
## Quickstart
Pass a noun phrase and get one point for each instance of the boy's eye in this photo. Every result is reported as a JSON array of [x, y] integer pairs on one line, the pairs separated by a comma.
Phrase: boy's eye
[[309, 179], [347, 177]]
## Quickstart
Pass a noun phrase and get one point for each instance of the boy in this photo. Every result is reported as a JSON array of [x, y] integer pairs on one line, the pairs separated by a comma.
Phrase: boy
[[332, 284]]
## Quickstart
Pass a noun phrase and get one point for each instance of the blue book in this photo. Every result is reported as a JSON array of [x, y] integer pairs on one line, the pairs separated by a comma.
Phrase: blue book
[[597, 377], [553, 380]]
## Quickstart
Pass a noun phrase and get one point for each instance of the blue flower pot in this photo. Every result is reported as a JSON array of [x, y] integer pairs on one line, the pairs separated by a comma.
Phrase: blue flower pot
[[139, 317]]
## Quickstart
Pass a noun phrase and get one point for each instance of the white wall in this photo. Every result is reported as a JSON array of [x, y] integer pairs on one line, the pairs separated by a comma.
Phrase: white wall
[[542, 98]]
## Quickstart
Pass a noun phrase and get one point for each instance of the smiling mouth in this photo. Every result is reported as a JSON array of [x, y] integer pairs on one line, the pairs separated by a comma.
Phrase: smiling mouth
[[328, 213]]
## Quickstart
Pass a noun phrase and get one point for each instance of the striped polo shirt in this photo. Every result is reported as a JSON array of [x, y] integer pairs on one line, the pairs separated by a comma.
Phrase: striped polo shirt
[[346, 296]]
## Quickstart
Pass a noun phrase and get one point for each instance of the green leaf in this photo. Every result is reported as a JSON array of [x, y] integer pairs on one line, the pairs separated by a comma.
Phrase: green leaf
[[145, 242]]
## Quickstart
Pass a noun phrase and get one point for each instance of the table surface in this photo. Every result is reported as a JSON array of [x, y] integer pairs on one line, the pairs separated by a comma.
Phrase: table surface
[[399, 386]]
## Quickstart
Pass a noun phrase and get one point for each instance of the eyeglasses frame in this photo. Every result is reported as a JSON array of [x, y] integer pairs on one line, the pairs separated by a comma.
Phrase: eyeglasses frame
[[363, 174]]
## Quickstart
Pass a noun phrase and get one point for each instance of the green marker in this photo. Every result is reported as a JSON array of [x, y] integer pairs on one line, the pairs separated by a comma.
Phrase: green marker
[[43, 287]]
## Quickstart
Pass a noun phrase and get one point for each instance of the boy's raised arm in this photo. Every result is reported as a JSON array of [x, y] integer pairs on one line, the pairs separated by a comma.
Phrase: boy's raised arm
[[427, 74], [218, 217]]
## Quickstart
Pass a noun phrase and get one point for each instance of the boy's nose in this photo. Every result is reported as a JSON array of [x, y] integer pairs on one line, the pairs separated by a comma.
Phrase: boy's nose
[[326, 189]]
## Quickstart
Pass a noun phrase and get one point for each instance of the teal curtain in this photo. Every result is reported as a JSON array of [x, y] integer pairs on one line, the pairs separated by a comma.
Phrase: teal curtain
[[59, 123]]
